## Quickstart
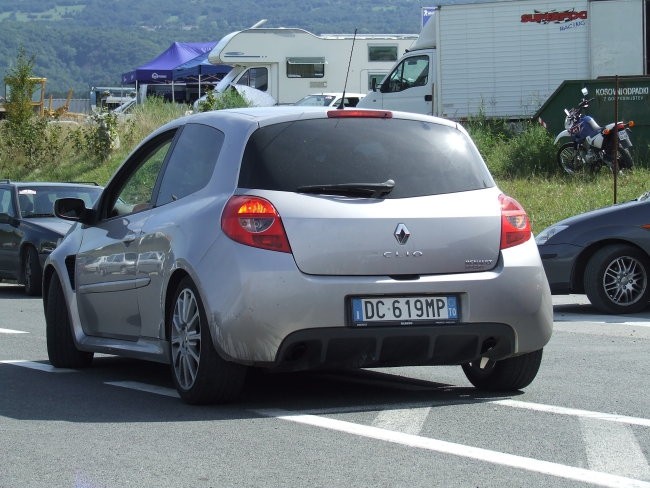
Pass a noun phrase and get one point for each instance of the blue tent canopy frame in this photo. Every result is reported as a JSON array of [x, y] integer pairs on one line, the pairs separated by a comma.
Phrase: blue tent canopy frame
[[161, 69], [181, 61], [200, 68]]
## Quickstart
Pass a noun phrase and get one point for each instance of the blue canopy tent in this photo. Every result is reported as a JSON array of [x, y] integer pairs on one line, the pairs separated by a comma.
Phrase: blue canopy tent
[[161, 69], [200, 69]]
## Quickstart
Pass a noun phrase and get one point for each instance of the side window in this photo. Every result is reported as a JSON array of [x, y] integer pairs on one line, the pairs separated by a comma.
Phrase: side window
[[255, 77], [377, 78], [6, 205], [191, 163], [382, 52], [409, 73], [305, 67], [135, 194]]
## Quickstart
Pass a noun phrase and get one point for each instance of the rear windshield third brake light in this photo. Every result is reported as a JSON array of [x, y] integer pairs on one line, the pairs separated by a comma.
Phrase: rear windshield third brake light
[[359, 113]]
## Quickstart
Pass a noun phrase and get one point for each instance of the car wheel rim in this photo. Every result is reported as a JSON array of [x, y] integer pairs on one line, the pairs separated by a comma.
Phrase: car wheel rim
[[186, 338], [625, 280]]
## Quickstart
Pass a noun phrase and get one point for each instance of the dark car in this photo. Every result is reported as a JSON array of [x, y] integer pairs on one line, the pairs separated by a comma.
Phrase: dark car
[[604, 253], [29, 231]]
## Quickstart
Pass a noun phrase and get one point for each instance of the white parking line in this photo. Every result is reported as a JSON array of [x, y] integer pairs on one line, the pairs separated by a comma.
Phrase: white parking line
[[613, 448], [407, 420], [574, 412], [48, 368], [135, 385], [599, 319], [11, 331], [494, 457], [390, 425]]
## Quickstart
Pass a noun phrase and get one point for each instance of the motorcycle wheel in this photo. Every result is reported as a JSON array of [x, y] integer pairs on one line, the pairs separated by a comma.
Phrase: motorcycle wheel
[[624, 158], [569, 159]]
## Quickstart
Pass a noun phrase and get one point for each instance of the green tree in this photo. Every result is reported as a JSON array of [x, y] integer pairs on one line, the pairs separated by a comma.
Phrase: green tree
[[21, 85], [29, 143]]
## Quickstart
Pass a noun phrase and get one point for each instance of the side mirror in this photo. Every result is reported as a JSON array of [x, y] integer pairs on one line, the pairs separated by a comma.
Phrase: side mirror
[[73, 209], [373, 84]]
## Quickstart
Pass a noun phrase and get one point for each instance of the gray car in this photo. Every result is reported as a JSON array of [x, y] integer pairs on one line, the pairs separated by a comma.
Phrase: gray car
[[295, 238], [604, 253]]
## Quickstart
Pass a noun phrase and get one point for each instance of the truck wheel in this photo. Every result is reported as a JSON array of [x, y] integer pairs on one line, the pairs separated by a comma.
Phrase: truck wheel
[[506, 375], [32, 272], [61, 349], [200, 375], [616, 279], [568, 158]]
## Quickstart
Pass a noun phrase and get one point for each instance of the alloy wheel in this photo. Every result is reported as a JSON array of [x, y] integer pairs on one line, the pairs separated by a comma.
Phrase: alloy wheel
[[186, 338], [625, 280]]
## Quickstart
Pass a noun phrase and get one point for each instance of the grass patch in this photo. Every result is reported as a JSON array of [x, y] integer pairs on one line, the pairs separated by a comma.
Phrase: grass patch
[[521, 158]]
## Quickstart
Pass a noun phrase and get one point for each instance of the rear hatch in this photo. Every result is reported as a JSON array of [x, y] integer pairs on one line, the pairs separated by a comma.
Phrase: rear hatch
[[364, 196]]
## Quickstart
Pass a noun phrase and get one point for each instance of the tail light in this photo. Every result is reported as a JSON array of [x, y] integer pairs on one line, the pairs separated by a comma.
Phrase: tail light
[[255, 222], [515, 225], [359, 113]]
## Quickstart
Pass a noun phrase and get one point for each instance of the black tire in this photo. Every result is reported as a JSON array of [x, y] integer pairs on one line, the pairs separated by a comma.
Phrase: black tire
[[624, 158], [200, 375], [569, 160], [616, 279], [61, 349], [32, 272], [506, 375]]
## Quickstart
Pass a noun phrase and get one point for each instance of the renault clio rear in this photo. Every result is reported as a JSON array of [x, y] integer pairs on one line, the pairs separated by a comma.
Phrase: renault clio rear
[[295, 238]]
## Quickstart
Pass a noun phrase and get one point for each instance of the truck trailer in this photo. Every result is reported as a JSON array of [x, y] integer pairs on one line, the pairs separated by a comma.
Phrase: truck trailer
[[291, 63], [504, 58]]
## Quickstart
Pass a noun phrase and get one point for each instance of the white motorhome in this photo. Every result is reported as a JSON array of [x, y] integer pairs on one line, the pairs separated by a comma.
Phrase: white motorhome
[[290, 63], [504, 59]]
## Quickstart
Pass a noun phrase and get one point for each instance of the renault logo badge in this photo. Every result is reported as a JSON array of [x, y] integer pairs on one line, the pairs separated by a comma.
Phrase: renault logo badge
[[402, 234]]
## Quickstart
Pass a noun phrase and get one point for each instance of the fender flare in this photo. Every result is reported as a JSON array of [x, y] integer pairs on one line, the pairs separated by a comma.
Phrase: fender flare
[[564, 133]]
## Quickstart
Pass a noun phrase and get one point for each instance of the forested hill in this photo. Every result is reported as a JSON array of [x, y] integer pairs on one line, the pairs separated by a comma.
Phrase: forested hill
[[81, 43]]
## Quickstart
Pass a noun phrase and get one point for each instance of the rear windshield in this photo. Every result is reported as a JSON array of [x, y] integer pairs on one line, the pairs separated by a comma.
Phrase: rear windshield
[[422, 158]]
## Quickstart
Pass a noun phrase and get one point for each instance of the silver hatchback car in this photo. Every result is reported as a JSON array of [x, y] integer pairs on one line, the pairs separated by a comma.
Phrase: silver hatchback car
[[297, 238]]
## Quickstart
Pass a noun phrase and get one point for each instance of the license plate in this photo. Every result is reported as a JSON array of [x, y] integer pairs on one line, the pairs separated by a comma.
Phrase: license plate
[[622, 136], [404, 310]]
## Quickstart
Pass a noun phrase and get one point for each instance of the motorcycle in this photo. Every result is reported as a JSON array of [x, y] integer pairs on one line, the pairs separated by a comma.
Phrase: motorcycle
[[591, 145]]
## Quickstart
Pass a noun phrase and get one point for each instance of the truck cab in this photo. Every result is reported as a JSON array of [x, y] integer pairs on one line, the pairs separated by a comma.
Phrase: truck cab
[[408, 87], [410, 84]]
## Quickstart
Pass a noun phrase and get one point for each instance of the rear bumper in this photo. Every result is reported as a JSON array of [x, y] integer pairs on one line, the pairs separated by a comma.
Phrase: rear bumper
[[262, 311], [393, 346]]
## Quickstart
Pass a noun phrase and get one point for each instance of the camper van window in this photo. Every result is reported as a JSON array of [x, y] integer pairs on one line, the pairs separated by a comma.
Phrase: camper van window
[[255, 77], [305, 67], [382, 53], [377, 77]]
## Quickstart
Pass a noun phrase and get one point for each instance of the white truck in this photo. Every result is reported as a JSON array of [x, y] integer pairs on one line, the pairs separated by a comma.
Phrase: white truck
[[290, 63], [504, 59]]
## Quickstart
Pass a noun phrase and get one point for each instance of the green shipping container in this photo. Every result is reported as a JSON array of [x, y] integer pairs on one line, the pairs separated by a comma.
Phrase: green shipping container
[[633, 104]]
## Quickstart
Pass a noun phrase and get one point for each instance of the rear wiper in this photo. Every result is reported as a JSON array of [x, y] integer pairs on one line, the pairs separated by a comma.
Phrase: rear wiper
[[371, 190]]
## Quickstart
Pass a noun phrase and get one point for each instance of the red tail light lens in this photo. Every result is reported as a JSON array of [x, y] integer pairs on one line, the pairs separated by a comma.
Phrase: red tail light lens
[[515, 226], [255, 222]]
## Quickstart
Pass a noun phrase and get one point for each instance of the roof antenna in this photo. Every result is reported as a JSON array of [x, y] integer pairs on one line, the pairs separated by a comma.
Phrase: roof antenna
[[342, 104]]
